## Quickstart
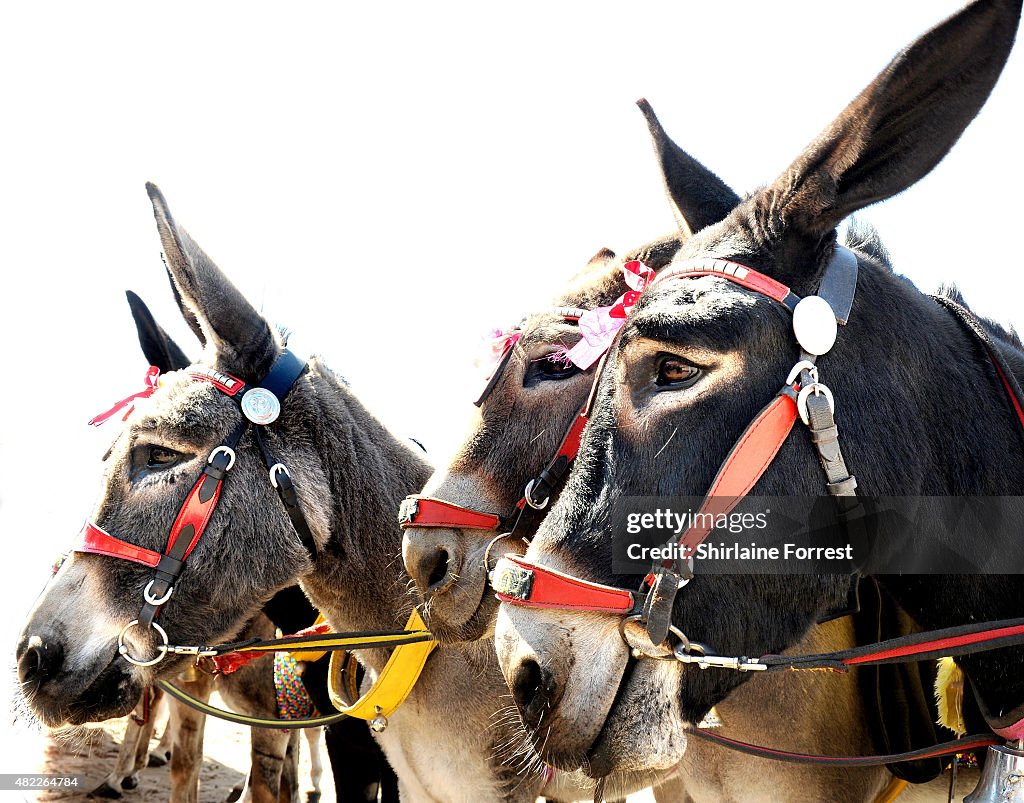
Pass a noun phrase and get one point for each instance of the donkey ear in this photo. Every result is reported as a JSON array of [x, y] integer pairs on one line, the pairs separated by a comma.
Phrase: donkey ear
[[241, 338], [157, 345], [903, 123], [698, 197], [186, 313]]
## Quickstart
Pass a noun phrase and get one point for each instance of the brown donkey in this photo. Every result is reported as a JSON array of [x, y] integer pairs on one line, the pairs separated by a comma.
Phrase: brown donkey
[[350, 474], [523, 418]]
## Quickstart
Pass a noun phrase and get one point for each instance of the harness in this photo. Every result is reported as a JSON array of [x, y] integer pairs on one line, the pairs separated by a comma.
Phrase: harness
[[518, 581], [260, 405], [598, 328], [815, 321]]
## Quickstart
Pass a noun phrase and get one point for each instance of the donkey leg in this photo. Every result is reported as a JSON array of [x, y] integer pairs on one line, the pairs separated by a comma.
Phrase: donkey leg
[[314, 738], [268, 777], [162, 753], [290, 771], [188, 727], [140, 759], [124, 770]]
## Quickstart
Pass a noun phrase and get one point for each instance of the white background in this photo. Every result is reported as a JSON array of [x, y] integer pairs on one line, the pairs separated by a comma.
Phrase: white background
[[391, 180]]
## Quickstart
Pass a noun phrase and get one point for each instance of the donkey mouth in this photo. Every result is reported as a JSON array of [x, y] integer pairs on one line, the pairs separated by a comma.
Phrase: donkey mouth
[[112, 693], [477, 625], [601, 755]]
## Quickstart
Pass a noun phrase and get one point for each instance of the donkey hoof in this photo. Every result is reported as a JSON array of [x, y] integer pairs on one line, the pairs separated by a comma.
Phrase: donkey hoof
[[312, 797], [129, 782], [158, 759], [105, 790], [235, 793]]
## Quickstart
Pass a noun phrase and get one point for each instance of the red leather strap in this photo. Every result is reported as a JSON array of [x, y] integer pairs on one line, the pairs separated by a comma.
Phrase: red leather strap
[[571, 442], [225, 383], [194, 514], [520, 582], [425, 511], [734, 272], [233, 661], [100, 542], [745, 463]]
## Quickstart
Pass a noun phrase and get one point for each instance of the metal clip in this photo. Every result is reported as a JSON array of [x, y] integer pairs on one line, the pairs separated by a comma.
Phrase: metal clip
[[694, 653]]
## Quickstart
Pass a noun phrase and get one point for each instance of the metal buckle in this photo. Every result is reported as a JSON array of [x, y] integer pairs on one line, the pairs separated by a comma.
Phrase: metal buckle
[[161, 650], [278, 468], [148, 595], [223, 450], [511, 580], [528, 496], [818, 389]]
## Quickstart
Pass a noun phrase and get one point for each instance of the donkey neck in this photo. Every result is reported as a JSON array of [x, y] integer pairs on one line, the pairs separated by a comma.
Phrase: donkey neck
[[357, 580], [972, 447]]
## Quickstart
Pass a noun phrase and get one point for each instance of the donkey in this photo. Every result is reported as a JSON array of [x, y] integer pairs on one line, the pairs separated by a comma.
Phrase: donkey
[[532, 404], [350, 474], [700, 356], [359, 768]]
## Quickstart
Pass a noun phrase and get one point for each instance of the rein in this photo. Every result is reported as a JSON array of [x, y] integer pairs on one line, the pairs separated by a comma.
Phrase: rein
[[815, 321], [260, 405]]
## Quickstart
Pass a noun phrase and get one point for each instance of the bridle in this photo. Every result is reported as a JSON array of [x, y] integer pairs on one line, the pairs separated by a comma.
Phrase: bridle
[[431, 512], [815, 321], [260, 406], [518, 581]]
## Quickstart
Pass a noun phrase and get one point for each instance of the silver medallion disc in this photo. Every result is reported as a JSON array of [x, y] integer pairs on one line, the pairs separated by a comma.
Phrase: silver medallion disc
[[814, 324], [260, 406]]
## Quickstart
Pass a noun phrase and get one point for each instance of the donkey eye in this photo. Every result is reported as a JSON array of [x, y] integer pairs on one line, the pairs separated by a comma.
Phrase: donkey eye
[[159, 457], [673, 372], [549, 368]]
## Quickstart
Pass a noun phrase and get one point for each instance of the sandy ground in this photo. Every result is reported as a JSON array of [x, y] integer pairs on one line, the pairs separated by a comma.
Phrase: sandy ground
[[91, 754]]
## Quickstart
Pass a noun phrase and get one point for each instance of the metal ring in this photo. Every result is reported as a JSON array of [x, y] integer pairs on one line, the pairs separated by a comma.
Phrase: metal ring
[[640, 653], [274, 469], [161, 650], [800, 367], [148, 596], [528, 496], [817, 389], [223, 450]]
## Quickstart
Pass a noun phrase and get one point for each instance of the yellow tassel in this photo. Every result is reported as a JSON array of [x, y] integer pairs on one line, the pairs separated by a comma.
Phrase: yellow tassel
[[949, 695]]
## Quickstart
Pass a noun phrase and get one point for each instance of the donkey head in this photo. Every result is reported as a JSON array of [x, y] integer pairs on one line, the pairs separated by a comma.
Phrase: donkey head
[[696, 361], [530, 408], [69, 663]]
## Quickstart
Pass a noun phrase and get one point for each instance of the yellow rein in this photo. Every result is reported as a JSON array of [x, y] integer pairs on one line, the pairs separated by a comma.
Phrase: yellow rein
[[388, 692]]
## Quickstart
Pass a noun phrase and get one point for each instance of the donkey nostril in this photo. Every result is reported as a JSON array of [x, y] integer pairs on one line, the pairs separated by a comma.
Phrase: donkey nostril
[[527, 687], [39, 662], [439, 571]]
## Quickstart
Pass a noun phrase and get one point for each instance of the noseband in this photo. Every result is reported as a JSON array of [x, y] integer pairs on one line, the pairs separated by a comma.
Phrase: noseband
[[260, 405], [815, 318]]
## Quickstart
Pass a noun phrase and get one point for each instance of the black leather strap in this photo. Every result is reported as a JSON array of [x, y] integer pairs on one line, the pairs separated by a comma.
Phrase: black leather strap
[[283, 373]]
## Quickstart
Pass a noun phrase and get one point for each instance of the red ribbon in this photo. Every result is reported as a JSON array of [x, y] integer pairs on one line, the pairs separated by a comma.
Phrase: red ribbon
[[152, 381]]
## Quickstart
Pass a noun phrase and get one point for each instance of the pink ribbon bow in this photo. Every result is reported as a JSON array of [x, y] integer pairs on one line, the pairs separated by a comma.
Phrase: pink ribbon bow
[[152, 383], [599, 326], [500, 344]]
